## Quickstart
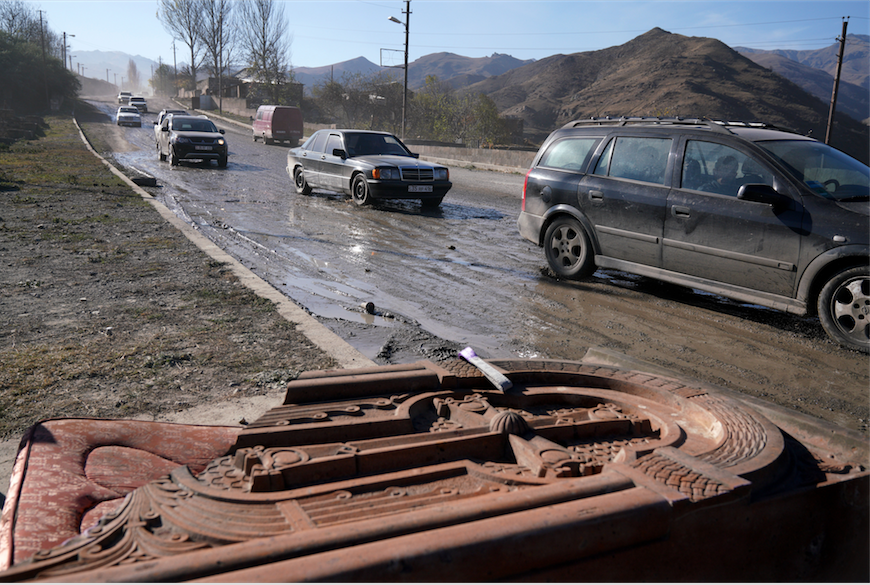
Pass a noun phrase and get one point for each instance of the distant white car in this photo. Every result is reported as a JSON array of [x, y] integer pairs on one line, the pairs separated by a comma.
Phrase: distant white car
[[124, 97], [139, 102], [162, 116], [128, 116]]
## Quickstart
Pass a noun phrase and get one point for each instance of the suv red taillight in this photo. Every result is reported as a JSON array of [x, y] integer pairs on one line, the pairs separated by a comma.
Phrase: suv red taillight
[[525, 185]]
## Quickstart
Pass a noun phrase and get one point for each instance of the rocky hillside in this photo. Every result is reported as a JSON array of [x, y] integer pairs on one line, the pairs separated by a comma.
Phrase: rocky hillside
[[662, 74]]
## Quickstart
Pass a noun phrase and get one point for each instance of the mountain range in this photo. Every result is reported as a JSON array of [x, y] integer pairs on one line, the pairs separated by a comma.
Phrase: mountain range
[[662, 74]]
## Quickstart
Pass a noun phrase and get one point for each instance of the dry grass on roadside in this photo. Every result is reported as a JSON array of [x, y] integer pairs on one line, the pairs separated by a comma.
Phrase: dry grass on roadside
[[108, 311]]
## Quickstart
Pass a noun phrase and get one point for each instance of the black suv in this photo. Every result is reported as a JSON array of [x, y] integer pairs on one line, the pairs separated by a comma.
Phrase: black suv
[[191, 137], [747, 211]]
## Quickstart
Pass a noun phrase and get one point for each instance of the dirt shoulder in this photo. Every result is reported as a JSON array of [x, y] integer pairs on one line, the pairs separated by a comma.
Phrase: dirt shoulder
[[107, 310]]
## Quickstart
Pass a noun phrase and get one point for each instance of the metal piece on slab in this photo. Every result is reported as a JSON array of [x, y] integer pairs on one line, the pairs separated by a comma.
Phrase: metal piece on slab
[[497, 378]]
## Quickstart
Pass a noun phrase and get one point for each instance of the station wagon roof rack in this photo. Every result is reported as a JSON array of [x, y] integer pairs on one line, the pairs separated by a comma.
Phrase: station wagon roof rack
[[720, 126]]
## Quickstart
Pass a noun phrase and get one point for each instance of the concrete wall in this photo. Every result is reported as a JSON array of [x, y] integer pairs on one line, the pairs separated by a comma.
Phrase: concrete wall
[[485, 158], [237, 106]]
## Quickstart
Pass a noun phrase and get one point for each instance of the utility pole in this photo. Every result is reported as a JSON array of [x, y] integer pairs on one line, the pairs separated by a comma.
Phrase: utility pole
[[842, 40], [407, 14], [44, 64], [174, 69]]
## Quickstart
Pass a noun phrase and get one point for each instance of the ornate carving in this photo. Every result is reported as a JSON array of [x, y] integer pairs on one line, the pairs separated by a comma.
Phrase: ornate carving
[[390, 455]]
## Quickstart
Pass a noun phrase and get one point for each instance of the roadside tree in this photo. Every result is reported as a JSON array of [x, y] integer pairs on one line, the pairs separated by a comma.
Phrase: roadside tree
[[265, 45], [183, 20], [217, 35]]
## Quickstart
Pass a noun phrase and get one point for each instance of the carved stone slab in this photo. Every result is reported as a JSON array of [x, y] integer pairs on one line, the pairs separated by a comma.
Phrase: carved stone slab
[[424, 472]]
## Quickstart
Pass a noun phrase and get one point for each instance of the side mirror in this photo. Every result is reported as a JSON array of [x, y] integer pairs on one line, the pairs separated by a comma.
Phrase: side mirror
[[339, 153], [415, 154], [221, 131], [164, 128], [758, 193], [155, 123]]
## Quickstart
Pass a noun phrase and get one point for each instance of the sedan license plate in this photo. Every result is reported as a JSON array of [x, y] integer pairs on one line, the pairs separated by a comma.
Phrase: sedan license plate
[[198, 147], [419, 188]]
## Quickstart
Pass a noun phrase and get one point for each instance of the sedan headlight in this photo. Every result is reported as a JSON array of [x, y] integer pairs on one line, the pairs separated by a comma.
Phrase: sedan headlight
[[442, 174], [386, 174], [221, 141]]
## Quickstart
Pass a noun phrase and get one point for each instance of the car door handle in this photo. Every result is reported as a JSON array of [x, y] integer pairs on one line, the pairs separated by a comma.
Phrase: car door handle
[[597, 195], [678, 211]]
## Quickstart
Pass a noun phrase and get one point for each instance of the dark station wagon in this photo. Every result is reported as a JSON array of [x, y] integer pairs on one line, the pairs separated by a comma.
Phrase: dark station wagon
[[366, 165], [747, 211]]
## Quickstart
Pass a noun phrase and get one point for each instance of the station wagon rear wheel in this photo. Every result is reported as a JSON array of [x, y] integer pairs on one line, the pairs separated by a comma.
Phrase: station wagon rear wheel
[[568, 249], [844, 308], [360, 191]]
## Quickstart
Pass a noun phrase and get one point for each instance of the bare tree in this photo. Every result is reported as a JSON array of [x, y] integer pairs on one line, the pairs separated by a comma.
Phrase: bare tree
[[264, 41], [183, 20], [216, 35], [132, 75], [19, 19]]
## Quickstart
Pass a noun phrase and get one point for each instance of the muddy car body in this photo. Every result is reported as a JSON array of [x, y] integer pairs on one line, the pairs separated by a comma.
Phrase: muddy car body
[[746, 211], [367, 166]]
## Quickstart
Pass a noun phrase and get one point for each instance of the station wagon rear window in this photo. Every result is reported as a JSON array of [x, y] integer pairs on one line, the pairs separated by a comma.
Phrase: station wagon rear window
[[571, 154]]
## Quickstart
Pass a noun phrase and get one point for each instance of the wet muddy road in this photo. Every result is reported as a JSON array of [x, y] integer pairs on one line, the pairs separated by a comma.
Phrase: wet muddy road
[[461, 275]]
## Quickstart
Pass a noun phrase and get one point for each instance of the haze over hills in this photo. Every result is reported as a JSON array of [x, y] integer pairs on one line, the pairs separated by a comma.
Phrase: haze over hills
[[447, 67], [661, 74], [856, 59], [851, 99]]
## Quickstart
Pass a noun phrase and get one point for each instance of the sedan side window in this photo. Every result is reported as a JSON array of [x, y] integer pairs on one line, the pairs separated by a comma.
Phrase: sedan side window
[[319, 142], [571, 154], [716, 168], [638, 159]]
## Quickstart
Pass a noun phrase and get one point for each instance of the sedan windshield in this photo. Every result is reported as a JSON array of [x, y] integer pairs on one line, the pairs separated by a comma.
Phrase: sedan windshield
[[826, 170], [367, 144]]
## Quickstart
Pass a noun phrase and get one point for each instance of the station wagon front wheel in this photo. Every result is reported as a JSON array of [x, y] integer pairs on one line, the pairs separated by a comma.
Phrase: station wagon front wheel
[[844, 308], [568, 249]]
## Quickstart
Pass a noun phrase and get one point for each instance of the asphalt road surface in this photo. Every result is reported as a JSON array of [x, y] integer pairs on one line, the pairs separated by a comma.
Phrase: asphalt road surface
[[462, 275]]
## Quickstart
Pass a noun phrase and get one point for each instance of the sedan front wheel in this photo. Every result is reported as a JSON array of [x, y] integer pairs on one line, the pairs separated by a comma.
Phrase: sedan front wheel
[[302, 186], [360, 189]]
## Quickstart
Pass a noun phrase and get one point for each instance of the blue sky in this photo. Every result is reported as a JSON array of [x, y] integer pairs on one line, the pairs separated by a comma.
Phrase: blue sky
[[332, 31]]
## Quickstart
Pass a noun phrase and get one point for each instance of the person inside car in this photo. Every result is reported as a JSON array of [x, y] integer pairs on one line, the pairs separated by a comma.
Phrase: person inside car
[[724, 179]]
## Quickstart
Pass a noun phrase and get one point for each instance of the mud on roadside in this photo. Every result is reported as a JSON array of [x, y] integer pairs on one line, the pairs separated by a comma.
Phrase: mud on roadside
[[108, 311]]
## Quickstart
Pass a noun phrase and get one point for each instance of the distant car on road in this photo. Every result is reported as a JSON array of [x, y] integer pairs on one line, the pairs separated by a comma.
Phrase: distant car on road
[[191, 137], [124, 97], [747, 211], [140, 103], [162, 116], [128, 116], [367, 166]]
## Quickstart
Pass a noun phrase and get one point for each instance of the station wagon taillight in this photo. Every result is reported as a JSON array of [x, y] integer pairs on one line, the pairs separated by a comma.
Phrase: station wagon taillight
[[525, 186]]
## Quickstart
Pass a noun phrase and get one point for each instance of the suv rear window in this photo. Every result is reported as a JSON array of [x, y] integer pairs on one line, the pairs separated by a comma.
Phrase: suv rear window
[[638, 159]]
